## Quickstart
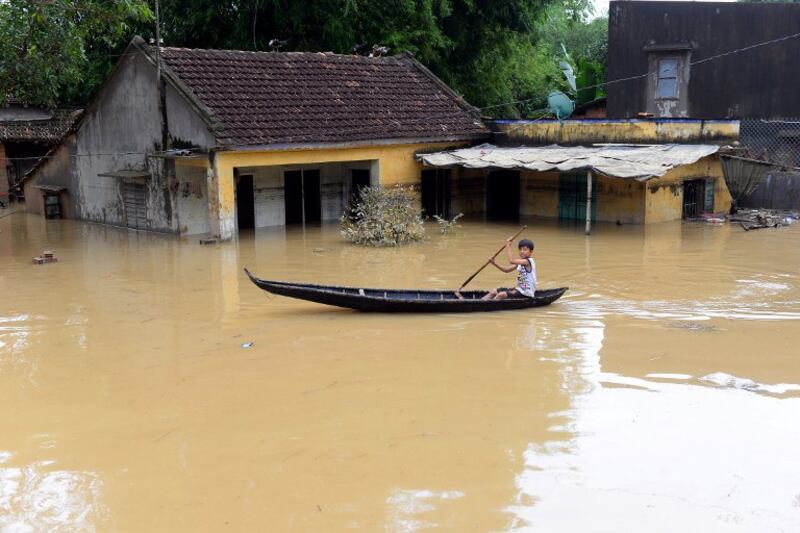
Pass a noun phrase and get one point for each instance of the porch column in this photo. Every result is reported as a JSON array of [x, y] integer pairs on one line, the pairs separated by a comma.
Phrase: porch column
[[589, 202], [221, 209]]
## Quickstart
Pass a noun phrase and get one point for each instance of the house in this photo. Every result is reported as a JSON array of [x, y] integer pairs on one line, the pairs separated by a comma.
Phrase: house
[[713, 60], [26, 134], [230, 140], [642, 171]]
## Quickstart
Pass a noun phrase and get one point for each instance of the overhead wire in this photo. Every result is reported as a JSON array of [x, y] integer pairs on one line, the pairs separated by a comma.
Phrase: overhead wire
[[295, 138]]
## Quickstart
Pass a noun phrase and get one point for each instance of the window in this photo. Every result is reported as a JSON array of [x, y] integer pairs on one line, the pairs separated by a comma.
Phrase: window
[[667, 78]]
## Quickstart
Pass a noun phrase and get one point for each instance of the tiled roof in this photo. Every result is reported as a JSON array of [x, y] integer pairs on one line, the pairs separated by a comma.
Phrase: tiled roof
[[50, 129], [267, 98]]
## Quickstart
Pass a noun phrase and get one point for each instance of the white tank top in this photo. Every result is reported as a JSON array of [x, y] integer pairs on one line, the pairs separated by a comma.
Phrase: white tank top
[[526, 281]]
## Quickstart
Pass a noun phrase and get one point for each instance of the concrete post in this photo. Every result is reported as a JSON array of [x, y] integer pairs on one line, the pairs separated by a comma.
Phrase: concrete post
[[221, 208], [589, 202]]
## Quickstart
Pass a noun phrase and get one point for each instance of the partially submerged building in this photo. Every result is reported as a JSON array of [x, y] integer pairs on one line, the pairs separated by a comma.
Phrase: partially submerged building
[[26, 134], [643, 171], [230, 140]]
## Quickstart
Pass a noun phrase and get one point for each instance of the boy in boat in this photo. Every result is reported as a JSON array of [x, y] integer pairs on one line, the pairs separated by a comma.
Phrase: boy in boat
[[526, 272]]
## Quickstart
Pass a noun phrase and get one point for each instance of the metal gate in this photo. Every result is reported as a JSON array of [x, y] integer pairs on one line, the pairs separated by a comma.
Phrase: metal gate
[[134, 196], [572, 196], [698, 197]]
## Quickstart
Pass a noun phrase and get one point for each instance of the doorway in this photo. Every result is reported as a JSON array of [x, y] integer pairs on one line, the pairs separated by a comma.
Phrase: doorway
[[694, 194], [245, 202], [502, 195], [572, 196], [437, 188], [359, 178], [302, 196]]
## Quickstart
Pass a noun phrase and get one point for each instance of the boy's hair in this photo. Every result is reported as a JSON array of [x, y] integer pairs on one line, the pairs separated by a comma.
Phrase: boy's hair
[[526, 243]]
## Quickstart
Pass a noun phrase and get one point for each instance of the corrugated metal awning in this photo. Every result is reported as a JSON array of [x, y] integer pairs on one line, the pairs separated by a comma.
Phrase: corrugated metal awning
[[49, 188], [126, 173], [641, 162]]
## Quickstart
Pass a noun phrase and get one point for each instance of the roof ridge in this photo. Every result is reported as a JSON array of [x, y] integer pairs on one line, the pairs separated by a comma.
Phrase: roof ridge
[[399, 55]]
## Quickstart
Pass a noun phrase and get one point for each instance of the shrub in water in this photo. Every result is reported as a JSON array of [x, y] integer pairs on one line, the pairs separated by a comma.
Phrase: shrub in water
[[446, 226], [383, 217]]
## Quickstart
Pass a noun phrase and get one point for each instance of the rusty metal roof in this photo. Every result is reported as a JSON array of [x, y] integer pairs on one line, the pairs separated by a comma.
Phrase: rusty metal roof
[[641, 162]]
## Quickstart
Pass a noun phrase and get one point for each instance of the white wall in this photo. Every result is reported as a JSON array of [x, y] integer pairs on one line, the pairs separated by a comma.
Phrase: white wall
[[192, 195], [269, 196]]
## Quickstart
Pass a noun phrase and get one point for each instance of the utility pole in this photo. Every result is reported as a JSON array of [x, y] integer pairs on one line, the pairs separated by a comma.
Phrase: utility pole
[[589, 202]]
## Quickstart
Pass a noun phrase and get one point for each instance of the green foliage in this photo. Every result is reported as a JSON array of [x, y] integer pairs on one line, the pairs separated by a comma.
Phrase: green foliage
[[491, 51], [586, 42], [46, 45], [383, 217]]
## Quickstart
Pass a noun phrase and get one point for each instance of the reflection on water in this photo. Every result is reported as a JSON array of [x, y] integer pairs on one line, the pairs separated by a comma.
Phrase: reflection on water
[[673, 456], [39, 497], [660, 393]]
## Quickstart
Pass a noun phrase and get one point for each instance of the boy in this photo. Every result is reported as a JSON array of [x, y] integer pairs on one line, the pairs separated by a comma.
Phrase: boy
[[526, 272]]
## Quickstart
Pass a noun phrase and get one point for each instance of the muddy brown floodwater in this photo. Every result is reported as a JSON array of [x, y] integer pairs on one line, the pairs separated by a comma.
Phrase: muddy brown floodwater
[[662, 393]]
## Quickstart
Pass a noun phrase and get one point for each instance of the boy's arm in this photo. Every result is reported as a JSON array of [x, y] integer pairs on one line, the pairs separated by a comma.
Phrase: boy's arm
[[502, 268]]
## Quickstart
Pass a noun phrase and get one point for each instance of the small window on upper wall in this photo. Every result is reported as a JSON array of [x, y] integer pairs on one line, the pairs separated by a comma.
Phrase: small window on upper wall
[[667, 78]]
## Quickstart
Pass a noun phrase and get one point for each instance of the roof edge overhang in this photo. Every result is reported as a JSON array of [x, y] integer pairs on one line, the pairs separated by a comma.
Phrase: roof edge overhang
[[351, 144]]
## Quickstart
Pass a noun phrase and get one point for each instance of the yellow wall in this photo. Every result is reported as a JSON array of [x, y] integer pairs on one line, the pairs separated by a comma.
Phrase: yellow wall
[[617, 199], [664, 197], [620, 200], [626, 200], [539, 195], [396, 165], [619, 131]]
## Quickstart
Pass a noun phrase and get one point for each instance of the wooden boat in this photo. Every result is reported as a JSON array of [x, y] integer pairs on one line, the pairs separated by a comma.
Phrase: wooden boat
[[403, 301]]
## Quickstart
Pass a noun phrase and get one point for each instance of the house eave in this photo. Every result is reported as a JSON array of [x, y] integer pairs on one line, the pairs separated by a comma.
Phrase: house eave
[[351, 144]]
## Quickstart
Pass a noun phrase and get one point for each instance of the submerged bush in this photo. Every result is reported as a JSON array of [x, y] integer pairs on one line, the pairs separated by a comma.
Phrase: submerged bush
[[383, 217], [446, 226]]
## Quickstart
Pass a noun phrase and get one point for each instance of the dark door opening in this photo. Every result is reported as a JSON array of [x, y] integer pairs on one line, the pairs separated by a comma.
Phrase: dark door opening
[[572, 196], [245, 203], [359, 178], [302, 196], [694, 197], [502, 195], [312, 203], [293, 196], [437, 187]]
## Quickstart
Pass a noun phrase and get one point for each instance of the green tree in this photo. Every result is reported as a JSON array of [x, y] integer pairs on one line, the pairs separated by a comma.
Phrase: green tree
[[47, 45]]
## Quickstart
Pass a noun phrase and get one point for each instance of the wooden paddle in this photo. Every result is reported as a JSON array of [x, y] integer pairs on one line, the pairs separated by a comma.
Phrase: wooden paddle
[[489, 262]]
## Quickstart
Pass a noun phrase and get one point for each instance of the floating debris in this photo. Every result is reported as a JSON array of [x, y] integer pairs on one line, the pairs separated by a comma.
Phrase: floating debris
[[46, 257], [247, 344], [209, 241], [693, 326], [751, 219]]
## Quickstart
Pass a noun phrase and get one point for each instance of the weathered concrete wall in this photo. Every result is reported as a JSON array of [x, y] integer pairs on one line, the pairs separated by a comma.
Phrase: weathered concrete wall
[[192, 200], [539, 194], [589, 131], [620, 200], [124, 124], [120, 130], [778, 190], [187, 129], [57, 169], [664, 197]]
